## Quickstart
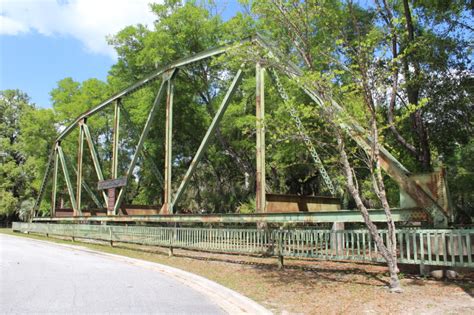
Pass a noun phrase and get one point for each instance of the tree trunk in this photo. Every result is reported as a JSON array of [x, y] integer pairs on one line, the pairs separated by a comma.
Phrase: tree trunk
[[387, 252], [413, 94]]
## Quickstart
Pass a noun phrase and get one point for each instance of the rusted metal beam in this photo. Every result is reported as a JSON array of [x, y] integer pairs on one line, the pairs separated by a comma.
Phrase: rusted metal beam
[[391, 166], [67, 178], [152, 77], [260, 149], [80, 151], [167, 205], [208, 136], [54, 187], [84, 184], [44, 181], [145, 153], [399, 215], [139, 146], [116, 138], [91, 194], [95, 159], [304, 135]]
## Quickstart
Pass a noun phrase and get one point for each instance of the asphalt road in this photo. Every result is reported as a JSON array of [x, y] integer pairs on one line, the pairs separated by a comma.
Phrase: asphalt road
[[38, 277]]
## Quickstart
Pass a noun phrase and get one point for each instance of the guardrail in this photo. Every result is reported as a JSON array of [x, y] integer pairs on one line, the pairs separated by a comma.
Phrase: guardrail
[[415, 246]]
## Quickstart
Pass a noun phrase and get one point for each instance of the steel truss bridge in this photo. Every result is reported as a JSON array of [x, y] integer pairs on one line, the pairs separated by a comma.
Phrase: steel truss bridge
[[268, 58]]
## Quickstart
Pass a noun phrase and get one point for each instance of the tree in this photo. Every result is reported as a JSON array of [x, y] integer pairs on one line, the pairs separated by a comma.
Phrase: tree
[[460, 177], [183, 30], [426, 53], [13, 178], [394, 67], [70, 99], [337, 24], [37, 133], [25, 135]]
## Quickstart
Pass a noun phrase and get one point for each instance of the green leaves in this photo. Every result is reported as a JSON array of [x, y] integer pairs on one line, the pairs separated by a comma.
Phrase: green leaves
[[26, 134], [347, 53]]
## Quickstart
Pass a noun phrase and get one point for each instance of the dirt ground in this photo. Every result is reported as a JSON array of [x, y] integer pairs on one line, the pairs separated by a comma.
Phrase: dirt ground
[[322, 287], [316, 287]]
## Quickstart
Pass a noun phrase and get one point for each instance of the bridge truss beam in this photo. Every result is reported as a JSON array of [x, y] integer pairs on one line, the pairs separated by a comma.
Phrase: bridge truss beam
[[270, 55], [399, 215]]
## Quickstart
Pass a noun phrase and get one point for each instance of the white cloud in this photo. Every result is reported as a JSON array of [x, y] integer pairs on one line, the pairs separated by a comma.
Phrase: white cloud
[[9, 26], [89, 21]]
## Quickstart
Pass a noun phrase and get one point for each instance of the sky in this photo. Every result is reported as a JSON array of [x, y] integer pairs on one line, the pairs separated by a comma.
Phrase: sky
[[44, 41]]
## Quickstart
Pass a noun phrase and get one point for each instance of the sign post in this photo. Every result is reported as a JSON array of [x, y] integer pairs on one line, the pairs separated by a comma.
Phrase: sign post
[[111, 185]]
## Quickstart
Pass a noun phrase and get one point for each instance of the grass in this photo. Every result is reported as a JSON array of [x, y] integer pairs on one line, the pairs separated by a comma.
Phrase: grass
[[304, 286]]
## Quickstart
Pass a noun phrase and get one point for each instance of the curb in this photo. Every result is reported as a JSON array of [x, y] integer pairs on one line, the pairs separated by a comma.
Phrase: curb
[[229, 300]]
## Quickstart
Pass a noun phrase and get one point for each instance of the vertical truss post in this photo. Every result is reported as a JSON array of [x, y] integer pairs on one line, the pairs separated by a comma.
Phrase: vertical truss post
[[95, 159], [80, 151], [55, 182], [68, 180], [167, 205], [115, 143], [143, 135], [112, 192], [210, 131], [260, 125]]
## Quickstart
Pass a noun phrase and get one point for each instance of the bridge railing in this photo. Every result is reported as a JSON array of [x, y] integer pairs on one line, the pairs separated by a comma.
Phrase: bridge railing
[[444, 247], [414, 246]]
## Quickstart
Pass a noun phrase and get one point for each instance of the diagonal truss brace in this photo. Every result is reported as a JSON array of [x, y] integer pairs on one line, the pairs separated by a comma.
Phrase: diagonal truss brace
[[210, 131], [143, 135], [47, 172], [306, 139], [68, 180], [152, 77], [55, 183], [86, 187], [95, 159], [161, 72], [145, 152]]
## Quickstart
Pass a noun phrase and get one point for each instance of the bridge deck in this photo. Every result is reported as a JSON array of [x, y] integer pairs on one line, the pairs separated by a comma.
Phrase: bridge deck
[[399, 215]]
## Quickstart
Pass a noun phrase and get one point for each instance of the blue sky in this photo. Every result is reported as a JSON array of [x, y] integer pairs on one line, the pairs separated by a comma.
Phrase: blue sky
[[34, 63], [44, 41]]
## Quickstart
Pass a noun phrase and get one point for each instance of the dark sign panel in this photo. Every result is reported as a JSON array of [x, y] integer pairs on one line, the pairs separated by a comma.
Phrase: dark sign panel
[[112, 183]]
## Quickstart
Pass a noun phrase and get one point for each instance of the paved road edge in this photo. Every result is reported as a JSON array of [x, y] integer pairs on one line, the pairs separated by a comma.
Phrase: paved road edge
[[229, 300]]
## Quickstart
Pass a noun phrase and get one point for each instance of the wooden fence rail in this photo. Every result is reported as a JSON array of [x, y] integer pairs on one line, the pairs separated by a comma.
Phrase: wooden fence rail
[[442, 247]]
